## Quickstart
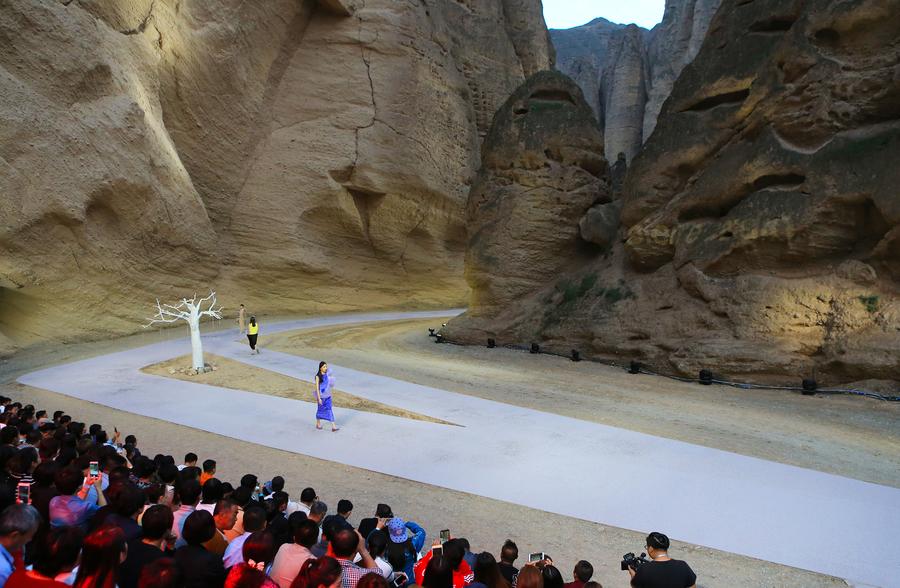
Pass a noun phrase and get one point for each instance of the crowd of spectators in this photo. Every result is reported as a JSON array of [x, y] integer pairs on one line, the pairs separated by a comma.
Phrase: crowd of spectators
[[80, 507]]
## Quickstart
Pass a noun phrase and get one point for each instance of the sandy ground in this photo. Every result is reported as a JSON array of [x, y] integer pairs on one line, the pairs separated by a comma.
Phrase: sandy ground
[[239, 376], [846, 435], [404, 352]]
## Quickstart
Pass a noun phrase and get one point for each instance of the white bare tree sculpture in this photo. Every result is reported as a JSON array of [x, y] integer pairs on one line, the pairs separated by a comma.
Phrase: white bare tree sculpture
[[189, 310]]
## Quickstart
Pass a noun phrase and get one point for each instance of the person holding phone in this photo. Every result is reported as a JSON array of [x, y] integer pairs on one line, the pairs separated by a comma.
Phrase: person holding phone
[[452, 553], [324, 384], [74, 507], [406, 540]]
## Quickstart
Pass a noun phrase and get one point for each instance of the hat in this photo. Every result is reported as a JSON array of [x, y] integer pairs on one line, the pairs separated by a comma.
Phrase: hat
[[397, 530]]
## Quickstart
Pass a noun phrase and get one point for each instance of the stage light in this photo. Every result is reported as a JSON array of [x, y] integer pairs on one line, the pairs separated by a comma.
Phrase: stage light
[[809, 387], [634, 367], [491, 343], [535, 348], [431, 332], [706, 377], [575, 355], [438, 338]]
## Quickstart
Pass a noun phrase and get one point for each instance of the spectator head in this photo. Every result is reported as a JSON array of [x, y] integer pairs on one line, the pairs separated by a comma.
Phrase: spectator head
[[69, 479], [438, 574], [23, 462], [306, 533], [657, 542], [162, 573], [94, 429], [189, 473], [242, 496], [454, 553], [317, 511], [199, 527], [344, 508], [254, 519], [372, 581], [332, 524], [277, 484], [509, 552], [487, 571], [225, 515], [324, 572], [103, 552], [212, 491], [168, 472], [101, 437], [552, 577], [189, 491], [377, 543], [227, 489], [295, 519], [397, 530], [9, 435], [156, 522], [129, 501], [249, 481], [584, 571], [144, 468], [18, 524], [61, 549], [259, 548], [465, 544], [279, 501], [190, 459], [383, 511], [154, 493], [48, 449], [64, 420], [45, 473], [307, 497], [345, 543], [131, 440], [530, 577], [209, 466]]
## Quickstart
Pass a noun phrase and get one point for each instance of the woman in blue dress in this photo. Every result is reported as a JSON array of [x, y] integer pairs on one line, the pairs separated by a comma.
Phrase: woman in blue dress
[[324, 384]]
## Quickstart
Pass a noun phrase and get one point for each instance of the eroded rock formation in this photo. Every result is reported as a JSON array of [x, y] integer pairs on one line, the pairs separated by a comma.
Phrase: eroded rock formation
[[627, 72], [296, 155], [760, 225]]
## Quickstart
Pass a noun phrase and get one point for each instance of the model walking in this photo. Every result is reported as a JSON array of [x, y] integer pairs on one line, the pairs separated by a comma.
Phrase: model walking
[[252, 334], [240, 320], [324, 383]]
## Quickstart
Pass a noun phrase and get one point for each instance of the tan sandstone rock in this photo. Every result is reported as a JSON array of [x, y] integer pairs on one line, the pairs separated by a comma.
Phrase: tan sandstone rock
[[761, 221], [294, 155]]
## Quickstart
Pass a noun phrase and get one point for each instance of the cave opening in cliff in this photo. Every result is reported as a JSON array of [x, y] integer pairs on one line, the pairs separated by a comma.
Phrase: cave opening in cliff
[[724, 99]]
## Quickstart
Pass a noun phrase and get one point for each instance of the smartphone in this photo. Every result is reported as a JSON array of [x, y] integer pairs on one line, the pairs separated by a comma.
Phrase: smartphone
[[437, 551], [95, 468], [445, 536], [23, 493], [537, 557], [399, 579]]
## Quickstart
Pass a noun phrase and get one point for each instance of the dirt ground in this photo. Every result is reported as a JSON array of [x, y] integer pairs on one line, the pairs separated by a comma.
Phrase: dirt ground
[[850, 436], [239, 376], [643, 403]]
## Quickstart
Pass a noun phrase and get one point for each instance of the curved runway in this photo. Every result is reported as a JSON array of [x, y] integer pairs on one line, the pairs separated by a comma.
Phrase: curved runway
[[766, 510]]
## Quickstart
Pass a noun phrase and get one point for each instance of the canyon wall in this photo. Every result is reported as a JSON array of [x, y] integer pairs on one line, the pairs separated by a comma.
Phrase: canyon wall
[[757, 234], [294, 155], [626, 72]]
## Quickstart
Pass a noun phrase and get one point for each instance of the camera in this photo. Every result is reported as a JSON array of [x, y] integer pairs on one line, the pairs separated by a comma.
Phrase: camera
[[630, 561]]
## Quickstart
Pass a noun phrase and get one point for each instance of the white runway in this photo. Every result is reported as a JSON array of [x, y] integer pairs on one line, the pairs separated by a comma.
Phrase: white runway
[[762, 509]]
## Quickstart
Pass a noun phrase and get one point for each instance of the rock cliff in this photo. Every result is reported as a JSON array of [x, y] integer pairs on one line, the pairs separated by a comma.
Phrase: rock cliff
[[758, 231], [296, 155], [626, 72]]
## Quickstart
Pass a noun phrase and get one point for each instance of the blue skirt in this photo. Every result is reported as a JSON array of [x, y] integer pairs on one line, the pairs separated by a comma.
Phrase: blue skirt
[[323, 411]]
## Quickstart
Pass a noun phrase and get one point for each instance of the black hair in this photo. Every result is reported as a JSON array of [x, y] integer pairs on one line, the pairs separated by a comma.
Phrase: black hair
[[377, 541], [161, 573], [509, 552], [190, 457], [308, 495], [254, 518], [552, 577], [306, 533], [438, 574], [209, 465], [68, 480], [383, 511], [199, 527], [241, 496], [60, 551], [657, 540], [454, 553], [344, 505], [344, 543], [45, 473], [277, 483], [168, 472], [249, 481], [156, 522], [212, 491], [259, 546], [319, 371], [129, 500], [584, 571]]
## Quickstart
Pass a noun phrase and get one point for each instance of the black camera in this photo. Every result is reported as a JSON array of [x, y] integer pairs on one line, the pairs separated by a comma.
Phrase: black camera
[[630, 561]]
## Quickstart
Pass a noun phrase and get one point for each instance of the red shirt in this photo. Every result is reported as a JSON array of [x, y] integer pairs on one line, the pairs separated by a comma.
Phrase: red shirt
[[22, 579], [462, 576]]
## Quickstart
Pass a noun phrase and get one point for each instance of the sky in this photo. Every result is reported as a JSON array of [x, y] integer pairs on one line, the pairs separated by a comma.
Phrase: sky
[[564, 14]]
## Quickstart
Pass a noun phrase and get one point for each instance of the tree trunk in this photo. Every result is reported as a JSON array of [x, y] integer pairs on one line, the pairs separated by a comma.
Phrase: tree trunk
[[196, 343]]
